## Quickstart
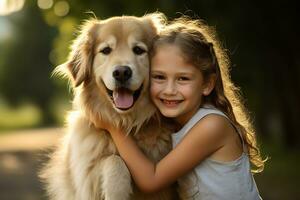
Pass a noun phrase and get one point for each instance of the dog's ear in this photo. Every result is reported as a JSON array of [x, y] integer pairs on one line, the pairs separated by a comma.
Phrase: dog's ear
[[157, 22], [79, 64]]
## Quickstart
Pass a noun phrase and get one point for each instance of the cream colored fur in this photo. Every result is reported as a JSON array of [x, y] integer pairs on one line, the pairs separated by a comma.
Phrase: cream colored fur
[[86, 165]]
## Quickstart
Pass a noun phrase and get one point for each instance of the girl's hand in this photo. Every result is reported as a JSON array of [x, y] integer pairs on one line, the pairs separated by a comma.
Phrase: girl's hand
[[103, 124]]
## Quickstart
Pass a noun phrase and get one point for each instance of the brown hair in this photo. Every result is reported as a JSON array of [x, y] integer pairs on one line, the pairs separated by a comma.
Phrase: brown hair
[[200, 47]]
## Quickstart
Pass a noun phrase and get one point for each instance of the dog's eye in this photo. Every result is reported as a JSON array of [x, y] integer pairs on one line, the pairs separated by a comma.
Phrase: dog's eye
[[106, 50], [138, 50]]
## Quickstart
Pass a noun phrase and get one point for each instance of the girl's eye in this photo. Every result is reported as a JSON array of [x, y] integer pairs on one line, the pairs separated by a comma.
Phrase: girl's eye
[[106, 50], [158, 77], [183, 79], [138, 50]]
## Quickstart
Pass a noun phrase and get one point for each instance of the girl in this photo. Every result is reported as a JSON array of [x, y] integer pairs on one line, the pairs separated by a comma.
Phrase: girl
[[215, 141]]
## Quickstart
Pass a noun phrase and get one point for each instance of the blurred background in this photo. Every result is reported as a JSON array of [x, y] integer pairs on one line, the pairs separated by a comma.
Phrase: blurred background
[[262, 39]]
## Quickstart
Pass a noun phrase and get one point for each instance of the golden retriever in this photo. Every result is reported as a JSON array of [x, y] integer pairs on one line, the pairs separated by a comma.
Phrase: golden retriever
[[109, 69]]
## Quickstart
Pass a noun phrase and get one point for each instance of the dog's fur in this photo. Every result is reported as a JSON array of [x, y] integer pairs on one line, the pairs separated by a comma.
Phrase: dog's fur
[[86, 165]]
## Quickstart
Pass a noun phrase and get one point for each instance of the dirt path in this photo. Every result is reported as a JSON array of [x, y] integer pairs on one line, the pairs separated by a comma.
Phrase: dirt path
[[21, 155], [29, 140]]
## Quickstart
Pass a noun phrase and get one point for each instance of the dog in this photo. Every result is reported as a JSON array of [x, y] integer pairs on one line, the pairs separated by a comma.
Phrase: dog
[[108, 67]]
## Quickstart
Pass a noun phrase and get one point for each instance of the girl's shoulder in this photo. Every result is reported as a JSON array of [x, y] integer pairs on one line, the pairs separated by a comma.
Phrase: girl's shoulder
[[215, 123], [209, 127], [212, 127], [223, 131]]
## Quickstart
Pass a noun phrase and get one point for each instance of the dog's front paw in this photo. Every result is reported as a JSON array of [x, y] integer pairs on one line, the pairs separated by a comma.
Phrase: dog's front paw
[[116, 179]]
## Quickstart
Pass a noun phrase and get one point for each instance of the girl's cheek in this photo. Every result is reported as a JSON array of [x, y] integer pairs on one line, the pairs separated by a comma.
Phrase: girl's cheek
[[154, 89]]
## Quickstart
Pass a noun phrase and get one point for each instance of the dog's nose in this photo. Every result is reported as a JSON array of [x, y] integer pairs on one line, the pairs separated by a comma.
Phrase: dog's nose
[[122, 73]]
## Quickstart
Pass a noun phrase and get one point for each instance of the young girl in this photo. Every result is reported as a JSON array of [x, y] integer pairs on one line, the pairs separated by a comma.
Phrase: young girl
[[215, 141]]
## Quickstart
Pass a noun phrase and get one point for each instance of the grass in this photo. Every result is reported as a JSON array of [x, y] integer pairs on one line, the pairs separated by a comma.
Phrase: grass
[[24, 116], [27, 115]]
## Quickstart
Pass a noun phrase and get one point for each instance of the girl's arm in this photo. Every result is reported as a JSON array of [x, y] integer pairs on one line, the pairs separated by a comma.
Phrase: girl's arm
[[203, 139]]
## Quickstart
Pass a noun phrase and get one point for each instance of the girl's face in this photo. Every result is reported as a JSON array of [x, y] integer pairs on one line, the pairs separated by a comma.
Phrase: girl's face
[[176, 86]]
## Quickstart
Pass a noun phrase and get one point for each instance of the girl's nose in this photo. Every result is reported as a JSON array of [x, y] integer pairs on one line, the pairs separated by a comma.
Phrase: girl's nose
[[170, 88]]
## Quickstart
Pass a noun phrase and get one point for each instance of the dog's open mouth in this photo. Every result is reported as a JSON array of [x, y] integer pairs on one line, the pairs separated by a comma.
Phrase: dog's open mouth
[[123, 98]]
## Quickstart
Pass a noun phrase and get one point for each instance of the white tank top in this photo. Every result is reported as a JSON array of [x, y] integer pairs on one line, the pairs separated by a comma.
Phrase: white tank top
[[216, 180]]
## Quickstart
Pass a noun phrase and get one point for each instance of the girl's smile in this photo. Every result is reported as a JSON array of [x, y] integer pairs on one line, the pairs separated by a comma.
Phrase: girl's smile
[[171, 103]]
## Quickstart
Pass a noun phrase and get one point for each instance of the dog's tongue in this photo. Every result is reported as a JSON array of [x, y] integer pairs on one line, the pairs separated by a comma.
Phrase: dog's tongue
[[123, 98]]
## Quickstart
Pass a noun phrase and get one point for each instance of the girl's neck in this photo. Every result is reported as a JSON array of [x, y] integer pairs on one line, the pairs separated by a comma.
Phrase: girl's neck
[[182, 120]]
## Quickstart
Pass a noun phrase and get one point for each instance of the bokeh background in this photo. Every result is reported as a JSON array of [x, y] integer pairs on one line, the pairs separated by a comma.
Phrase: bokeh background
[[262, 39]]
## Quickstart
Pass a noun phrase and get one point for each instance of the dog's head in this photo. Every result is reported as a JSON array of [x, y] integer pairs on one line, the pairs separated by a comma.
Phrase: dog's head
[[109, 61]]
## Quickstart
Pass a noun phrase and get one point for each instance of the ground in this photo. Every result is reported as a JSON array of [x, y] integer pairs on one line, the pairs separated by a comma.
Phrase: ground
[[22, 154]]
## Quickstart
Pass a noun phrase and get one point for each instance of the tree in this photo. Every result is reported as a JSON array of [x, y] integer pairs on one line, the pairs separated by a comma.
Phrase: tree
[[25, 70]]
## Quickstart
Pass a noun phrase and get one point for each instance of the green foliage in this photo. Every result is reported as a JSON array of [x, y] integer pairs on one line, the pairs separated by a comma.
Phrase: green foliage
[[25, 115], [25, 67]]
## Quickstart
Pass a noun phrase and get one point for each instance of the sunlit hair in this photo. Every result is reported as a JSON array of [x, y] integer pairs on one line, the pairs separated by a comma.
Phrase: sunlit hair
[[200, 47]]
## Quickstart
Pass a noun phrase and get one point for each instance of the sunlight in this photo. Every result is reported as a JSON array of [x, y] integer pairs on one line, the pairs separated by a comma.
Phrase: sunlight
[[45, 4], [11, 163], [6, 31], [9, 6], [61, 8]]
